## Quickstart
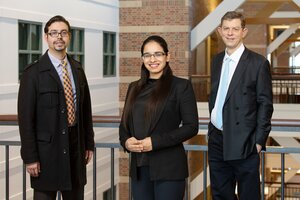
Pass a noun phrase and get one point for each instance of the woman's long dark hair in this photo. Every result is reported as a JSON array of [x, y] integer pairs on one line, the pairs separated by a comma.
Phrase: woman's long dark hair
[[160, 91]]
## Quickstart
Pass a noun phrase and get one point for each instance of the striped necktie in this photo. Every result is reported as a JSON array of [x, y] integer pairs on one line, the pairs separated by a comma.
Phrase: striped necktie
[[222, 92], [68, 94]]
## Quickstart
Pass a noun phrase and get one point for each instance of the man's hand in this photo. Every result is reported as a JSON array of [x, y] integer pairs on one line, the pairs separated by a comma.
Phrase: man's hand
[[258, 148], [88, 156], [133, 145], [33, 169]]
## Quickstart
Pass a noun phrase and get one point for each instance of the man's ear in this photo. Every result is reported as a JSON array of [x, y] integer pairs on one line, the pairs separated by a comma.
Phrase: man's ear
[[245, 31], [219, 29]]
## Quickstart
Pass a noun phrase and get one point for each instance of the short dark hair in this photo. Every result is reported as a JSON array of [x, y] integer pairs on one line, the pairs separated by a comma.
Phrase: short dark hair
[[57, 18], [234, 15]]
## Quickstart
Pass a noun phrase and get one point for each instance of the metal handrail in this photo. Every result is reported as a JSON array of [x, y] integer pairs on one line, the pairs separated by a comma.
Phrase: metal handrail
[[113, 121], [112, 146]]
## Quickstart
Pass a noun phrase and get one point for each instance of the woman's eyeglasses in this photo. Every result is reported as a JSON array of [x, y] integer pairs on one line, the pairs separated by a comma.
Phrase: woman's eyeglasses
[[156, 55]]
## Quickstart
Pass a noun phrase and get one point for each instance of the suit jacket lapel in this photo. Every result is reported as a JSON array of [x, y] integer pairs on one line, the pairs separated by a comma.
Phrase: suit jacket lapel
[[242, 65], [216, 74]]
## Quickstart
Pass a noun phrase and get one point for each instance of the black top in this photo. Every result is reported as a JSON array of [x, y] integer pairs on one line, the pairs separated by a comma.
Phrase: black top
[[141, 129]]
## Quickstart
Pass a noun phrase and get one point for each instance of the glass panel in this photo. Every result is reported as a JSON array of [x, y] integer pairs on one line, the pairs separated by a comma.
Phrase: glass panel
[[71, 46], [113, 65], [76, 57], [105, 42], [112, 43], [23, 36], [23, 62], [81, 61], [35, 57], [81, 41], [75, 45], [109, 51], [35, 37], [105, 67]]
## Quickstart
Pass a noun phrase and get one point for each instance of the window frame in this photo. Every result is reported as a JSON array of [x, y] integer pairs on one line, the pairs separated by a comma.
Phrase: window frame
[[76, 46], [29, 52], [109, 54]]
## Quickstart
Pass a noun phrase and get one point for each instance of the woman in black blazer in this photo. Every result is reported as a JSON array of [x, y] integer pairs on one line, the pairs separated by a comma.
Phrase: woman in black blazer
[[160, 113]]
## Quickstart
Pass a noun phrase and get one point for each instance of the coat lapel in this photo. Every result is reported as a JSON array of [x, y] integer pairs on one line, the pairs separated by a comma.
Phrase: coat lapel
[[242, 65], [46, 65], [75, 68]]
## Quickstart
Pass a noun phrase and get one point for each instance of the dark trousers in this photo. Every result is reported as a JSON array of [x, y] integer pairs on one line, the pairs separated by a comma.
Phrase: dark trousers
[[145, 189], [225, 175], [74, 194]]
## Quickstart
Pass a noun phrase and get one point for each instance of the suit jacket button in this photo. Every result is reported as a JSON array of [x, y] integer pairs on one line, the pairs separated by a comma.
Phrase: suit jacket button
[[65, 151], [237, 123], [63, 111], [63, 131]]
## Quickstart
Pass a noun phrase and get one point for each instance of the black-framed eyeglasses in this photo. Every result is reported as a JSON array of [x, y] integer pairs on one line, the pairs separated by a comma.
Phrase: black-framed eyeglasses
[[55, 34], [157, 55]]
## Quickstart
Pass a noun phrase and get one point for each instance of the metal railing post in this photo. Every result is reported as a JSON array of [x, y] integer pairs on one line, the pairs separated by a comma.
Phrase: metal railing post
[[7, 172], [282, 175], [185, 197], [112, 175], [24, 181], [262, 175], [129, 163], [95, 174], [59, 195], [204, 175]]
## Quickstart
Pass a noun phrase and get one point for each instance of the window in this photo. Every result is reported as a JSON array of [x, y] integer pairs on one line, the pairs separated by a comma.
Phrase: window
[[109, 54], [30, 43], [76, 47], [107, 195]]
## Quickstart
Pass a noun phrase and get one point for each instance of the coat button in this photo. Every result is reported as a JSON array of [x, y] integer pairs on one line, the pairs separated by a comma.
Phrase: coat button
[[63, 131], [65, 151], [237, 123], [63, 111]]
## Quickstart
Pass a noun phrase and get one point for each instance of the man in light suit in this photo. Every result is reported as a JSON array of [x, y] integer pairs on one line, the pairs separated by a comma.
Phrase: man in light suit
[[56, 141], [240, 108]]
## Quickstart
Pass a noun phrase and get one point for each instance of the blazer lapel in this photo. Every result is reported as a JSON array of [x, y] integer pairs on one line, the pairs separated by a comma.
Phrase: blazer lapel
[[242, 65], [159, 111]]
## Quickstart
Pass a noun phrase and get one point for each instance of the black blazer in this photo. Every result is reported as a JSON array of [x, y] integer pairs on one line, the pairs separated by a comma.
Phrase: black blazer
[[43, 123], [248, 105], [176, 122]]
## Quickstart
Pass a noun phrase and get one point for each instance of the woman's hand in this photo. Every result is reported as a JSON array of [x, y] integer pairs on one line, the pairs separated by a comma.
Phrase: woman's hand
[[147, 144], [134, 145]]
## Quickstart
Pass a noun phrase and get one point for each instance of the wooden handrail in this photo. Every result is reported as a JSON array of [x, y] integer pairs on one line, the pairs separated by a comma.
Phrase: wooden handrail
[[117, 119], [275, 76]]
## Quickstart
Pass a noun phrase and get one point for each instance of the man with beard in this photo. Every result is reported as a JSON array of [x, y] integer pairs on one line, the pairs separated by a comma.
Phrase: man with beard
[[55, 119]]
